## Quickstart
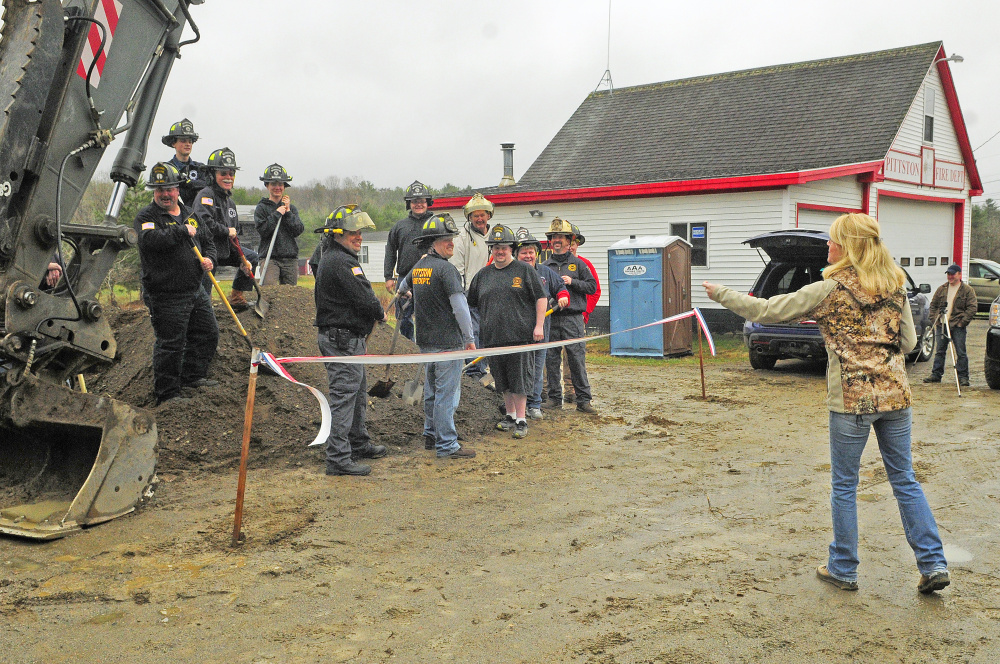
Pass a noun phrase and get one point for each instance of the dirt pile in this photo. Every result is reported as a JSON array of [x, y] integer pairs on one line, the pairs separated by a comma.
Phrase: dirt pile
[[205, 435]]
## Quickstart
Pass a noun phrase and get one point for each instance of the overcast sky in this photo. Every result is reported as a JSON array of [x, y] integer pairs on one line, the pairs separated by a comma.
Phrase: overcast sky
[[392, 91]]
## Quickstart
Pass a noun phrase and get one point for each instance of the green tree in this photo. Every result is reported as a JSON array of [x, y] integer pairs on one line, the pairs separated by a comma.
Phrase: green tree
[[985, 240], [125, 271]]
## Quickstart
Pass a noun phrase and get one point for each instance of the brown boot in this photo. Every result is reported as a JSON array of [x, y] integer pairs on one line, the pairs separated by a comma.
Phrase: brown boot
[[237, 301]]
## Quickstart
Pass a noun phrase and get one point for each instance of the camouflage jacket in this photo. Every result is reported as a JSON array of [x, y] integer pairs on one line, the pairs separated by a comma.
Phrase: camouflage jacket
[[867, 338]]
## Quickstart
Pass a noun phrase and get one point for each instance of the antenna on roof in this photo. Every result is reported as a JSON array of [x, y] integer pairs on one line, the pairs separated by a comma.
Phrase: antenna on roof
[[607, 72]]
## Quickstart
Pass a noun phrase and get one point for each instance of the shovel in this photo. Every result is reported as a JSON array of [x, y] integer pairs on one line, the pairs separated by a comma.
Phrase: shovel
[[218, 288], [261, 306], [413, 389], [381, 389], [487, 379]]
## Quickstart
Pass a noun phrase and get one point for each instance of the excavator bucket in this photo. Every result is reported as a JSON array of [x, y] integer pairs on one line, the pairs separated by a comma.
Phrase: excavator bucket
[[69, 459]]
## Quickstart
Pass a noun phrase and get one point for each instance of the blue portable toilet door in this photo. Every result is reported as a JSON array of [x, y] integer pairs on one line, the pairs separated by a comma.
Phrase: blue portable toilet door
[[637, 296]]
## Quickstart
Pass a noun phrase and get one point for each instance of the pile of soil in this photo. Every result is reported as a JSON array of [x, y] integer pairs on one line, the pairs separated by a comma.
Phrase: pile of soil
[[206, 434]]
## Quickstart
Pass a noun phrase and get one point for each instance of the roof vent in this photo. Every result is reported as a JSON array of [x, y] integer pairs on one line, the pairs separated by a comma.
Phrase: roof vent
[[508, 164]]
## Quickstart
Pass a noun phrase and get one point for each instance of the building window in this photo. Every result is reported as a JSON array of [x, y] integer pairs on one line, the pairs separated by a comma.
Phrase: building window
[[932, 261], [928, 115], [918, 261], [905, 262], [697, 235], [944, 260], [363, 256]]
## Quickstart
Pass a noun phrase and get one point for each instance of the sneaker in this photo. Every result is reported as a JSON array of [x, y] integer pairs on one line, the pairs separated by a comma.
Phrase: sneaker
[[460, 453], [370, 452], [585, 407], [349, 468], [932, 379], [825, 575], [535, 413], [963, 382], [429, 443], [935, 581], [506, 424], [521, 429]]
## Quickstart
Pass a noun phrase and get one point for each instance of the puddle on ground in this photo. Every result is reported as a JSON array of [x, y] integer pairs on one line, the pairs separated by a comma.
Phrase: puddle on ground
[[868, 497], [105, 618], [956, 554]]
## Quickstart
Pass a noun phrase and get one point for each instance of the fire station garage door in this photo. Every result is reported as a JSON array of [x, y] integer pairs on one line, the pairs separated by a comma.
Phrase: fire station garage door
[[920, 236]]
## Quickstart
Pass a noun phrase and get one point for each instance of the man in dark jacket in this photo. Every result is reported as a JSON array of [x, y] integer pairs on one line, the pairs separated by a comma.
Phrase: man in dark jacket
[[194, 177], [567, 323], [179, 308], [276, 213], [214, 207], [401, 253], [346, 311], [528, 249], [956, 300]]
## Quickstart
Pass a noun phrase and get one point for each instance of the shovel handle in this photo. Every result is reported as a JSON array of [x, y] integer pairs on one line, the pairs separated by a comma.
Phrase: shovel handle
[[222, 295]]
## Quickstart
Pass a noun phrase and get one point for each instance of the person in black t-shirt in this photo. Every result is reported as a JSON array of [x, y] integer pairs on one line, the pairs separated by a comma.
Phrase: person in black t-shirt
[[511, 304]]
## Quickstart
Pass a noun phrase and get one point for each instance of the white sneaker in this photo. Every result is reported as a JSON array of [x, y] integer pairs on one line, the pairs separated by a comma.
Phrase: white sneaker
[[535, 414]]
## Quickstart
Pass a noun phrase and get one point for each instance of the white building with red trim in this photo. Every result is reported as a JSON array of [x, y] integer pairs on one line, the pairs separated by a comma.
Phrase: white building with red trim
[[718, 159]]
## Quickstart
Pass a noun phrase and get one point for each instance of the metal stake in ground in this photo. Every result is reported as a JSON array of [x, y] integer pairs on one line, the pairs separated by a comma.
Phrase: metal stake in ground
[[245, 451]]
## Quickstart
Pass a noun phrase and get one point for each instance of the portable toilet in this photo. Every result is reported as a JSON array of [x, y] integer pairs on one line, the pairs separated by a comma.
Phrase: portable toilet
[[650, 279]]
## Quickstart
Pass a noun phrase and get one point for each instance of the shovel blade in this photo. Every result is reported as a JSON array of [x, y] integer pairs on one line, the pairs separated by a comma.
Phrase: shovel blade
[[413, 389], [381, 389], [261, 307]]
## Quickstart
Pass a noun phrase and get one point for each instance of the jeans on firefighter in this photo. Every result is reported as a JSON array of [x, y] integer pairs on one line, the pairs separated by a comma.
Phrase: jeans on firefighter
[[848, 436], [187, 335], [404, 316], [348, 399], [958, 335], [479, 368], [567, 326], [535, 397], [442, 392]]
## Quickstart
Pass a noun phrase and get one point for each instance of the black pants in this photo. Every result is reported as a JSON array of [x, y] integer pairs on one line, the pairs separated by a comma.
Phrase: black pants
[[187, 335], [241, 282], [567, 326]]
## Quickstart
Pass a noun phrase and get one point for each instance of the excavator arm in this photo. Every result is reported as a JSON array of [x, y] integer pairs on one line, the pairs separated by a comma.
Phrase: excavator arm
[[69, 73]]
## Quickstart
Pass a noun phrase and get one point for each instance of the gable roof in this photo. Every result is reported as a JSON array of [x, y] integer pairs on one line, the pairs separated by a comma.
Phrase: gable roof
[[835, 116]]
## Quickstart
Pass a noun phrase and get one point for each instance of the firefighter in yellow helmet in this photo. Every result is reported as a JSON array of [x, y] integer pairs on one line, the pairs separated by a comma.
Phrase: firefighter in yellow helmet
[[471, 255]]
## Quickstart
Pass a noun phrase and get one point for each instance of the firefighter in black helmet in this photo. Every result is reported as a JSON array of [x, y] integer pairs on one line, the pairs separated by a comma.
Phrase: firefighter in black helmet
[[179, 308], [279, 225], [214, 207], [401, 254], [193, 174]]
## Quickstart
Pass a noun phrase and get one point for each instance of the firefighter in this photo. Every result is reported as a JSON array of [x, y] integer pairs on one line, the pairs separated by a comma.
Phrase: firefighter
[[471, 255], [275, 212], [346, 311], [401, 253], [194, 176], [214, 207], [567, 322], [180, 310]]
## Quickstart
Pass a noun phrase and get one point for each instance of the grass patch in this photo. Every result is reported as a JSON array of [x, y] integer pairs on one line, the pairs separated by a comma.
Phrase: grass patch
[[729, 348]]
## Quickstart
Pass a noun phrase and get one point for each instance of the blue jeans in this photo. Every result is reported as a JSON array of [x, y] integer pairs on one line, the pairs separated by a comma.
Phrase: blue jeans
[[442, 391], [404, 317], [535, 398], [958, 335], [479, 368], [848, 435]]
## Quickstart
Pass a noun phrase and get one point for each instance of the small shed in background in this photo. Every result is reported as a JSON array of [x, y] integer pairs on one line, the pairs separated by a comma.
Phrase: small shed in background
[[650, 279]]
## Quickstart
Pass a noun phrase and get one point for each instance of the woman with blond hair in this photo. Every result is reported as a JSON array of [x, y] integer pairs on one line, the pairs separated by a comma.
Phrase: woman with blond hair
[[864, 316]]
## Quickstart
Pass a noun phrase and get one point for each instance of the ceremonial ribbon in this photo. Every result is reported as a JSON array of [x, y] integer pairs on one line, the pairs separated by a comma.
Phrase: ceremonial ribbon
[[276, 363]]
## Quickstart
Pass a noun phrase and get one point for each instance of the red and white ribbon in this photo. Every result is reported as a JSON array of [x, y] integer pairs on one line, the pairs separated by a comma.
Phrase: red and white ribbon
[[276, 364]]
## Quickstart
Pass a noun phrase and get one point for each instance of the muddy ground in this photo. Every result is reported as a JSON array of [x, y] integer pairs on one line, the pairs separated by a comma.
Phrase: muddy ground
[[668, 529]]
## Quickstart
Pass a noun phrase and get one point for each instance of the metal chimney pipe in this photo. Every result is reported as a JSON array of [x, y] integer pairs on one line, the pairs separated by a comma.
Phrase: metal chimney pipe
[[508, 164]]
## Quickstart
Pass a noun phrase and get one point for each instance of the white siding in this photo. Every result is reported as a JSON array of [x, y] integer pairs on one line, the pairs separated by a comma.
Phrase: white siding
[[731, 218], [844, 192], [911, 133]]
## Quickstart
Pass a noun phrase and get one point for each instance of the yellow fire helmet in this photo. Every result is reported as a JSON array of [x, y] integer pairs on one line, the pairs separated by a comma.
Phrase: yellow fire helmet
[[560, 227], [478, 202], [347, 218]]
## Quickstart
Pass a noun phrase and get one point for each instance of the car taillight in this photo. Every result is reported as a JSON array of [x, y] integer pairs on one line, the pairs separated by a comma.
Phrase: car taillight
[[995, 314]]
